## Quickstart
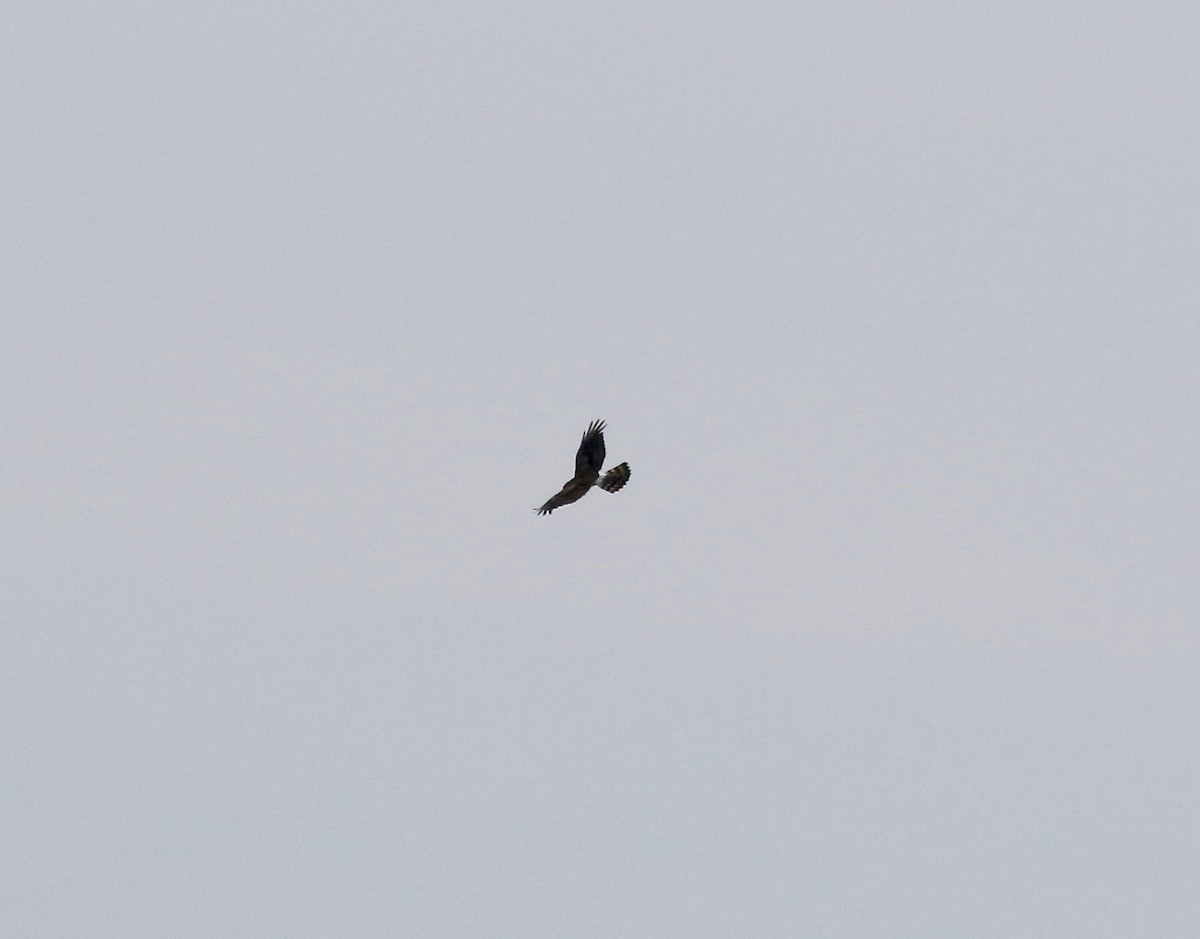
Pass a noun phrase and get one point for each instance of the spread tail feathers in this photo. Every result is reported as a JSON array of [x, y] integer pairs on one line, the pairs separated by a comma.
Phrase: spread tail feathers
[[615, 478]]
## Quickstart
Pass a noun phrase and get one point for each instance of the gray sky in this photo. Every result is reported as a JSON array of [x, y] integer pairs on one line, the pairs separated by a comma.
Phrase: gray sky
[[892, 308]]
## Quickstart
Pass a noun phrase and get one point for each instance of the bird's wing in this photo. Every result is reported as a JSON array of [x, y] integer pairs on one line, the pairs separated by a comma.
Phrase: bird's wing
[[573, 491], [590, 458], [551, 504]]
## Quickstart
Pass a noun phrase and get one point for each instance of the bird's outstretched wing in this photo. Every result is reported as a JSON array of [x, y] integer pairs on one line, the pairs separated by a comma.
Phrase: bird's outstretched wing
[[590, 458], [566, 496]]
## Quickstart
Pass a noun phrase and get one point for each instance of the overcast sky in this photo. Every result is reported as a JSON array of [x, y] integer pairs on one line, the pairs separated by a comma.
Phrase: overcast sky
[[894, 310]]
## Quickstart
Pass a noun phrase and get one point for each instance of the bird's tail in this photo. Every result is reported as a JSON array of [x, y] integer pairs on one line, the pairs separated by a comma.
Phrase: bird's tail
[[615, 478]]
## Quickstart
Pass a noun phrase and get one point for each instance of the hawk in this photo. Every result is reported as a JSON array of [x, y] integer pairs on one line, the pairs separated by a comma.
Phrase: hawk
[[588, 462]]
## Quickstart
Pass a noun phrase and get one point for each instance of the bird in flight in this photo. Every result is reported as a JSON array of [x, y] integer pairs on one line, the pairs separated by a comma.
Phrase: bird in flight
[[588, 462]]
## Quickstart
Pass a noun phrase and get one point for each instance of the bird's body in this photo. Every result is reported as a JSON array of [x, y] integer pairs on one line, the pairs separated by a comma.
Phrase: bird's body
[[588, 462]]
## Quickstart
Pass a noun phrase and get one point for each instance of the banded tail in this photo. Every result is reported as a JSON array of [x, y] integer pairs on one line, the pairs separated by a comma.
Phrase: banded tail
[[615, 478]]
